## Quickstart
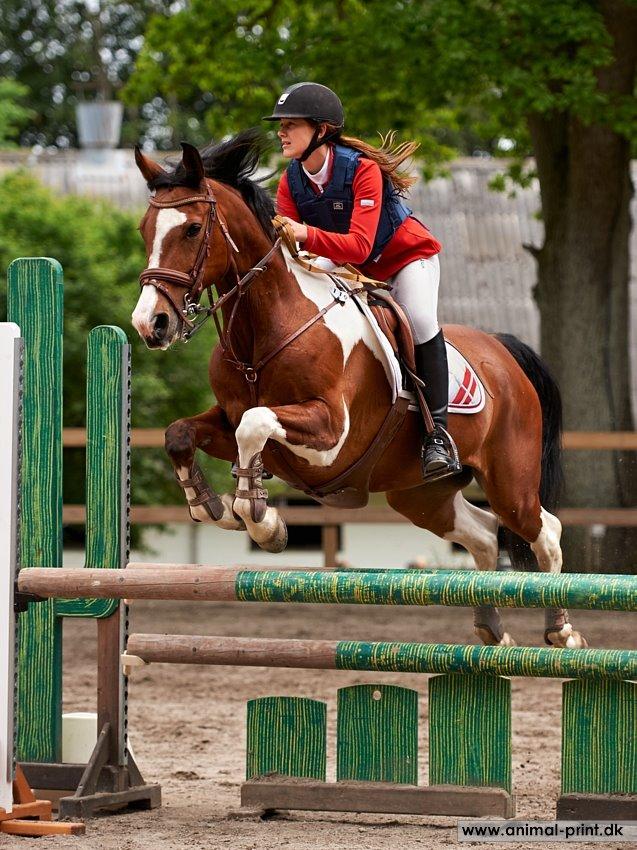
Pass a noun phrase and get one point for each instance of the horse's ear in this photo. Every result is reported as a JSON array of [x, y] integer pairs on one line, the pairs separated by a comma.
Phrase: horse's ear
[[192, 163], [148, 167]]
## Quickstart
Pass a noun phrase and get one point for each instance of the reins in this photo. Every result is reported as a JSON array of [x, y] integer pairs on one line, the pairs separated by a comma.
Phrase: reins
[[193, 314], [285, 231]]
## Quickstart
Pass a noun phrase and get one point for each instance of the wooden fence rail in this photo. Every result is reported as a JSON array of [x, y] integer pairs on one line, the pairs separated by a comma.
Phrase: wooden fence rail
[[330, 518], [147, 438], [310, 515]]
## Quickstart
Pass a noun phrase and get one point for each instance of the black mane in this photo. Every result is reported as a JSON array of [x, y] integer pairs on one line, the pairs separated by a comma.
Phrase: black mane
[[232, 162]]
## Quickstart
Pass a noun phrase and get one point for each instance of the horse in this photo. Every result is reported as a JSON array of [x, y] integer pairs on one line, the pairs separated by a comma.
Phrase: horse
[[301, 388]]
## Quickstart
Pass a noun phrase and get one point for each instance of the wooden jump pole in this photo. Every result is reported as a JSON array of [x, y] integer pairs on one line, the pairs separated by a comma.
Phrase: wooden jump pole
[[540, 662], [462, 587]]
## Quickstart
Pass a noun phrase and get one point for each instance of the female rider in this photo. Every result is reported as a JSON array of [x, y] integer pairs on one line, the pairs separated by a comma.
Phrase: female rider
[[342, 198]]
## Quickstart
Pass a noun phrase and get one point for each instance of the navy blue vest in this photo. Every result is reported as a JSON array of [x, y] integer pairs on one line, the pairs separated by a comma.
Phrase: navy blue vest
[[332, 210]]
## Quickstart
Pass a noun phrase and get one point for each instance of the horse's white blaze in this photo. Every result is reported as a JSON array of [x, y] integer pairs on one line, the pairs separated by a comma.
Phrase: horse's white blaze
[[166, 220], [547, 548], [344, 320], [476, 530], [144, 311]]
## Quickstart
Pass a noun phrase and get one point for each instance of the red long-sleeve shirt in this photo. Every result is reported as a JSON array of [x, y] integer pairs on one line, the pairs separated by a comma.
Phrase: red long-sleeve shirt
[[412, 241]]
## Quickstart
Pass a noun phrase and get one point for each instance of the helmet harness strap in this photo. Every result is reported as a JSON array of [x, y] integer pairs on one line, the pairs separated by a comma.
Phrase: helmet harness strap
[[315, 142]]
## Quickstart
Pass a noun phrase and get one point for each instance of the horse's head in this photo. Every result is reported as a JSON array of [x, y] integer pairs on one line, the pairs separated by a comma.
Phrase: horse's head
[[187, 246]]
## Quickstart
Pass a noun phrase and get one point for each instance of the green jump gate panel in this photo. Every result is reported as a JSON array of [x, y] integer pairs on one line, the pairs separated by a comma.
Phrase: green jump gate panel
[[377, 734], [107, 462], [599, 738], [287, 736], [35, 303], [35, 297], [470, 731]]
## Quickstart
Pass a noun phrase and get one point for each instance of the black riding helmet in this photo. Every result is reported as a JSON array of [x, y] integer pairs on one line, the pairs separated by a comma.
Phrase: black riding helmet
[[315, 103]]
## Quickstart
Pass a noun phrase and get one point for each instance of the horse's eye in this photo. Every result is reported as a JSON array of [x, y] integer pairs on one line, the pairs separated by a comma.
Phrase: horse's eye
[[193, 230]]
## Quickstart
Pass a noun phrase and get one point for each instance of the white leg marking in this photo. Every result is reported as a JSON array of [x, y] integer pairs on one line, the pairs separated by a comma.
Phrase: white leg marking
[[257, 425], [260, 424], [227, 521], [477, 531], [547, 548]]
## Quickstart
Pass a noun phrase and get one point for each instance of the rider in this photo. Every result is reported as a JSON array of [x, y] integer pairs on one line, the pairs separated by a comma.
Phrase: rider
[[342, 199]]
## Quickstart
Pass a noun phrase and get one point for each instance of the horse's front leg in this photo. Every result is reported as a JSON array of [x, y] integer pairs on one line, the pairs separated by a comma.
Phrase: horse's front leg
[[314, 430], [211, 432]]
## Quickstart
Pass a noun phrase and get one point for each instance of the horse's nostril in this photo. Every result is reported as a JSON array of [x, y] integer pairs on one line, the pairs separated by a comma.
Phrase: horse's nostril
[[160, 325]]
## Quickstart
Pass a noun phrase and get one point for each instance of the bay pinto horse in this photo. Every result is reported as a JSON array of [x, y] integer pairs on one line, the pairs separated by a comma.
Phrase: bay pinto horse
[[308, 408]]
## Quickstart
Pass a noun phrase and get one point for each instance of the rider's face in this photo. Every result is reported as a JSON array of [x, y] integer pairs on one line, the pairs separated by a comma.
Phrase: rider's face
[[295, 135]]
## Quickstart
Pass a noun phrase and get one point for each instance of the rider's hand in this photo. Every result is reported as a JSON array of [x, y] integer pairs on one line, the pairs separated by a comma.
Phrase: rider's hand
[[299, 230]]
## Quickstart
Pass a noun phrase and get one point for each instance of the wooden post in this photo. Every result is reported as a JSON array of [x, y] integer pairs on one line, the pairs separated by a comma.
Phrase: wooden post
[[329, 537], [34, 302]]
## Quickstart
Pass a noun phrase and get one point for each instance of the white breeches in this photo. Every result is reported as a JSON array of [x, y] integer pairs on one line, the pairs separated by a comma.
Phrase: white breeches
[[415, 288]]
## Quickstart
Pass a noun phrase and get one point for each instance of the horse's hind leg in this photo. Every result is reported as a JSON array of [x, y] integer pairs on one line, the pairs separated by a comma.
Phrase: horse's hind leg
[[516, 501], [558, 631], [441, 508]]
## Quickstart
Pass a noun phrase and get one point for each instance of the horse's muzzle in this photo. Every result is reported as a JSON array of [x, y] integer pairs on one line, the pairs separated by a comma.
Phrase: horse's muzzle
[[158, 331]]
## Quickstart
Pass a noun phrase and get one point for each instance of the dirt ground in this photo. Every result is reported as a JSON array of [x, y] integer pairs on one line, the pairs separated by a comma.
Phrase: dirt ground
[[187, 724]]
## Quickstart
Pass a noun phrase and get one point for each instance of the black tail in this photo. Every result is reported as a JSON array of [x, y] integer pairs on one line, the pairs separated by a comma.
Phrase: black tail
[[552, 478]]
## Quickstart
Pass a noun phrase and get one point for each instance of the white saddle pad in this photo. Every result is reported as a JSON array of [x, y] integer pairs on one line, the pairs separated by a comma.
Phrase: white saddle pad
[[466, 392]]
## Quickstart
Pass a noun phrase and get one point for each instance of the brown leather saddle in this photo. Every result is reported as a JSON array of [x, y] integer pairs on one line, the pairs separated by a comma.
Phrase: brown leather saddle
[[393, 323]]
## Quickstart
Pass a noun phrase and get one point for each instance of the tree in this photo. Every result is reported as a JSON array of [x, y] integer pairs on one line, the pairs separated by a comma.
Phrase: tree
[[13, 112], [556, 77]]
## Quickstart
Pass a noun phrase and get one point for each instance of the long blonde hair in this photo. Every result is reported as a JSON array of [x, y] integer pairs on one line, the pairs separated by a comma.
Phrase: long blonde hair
[[388, 157]]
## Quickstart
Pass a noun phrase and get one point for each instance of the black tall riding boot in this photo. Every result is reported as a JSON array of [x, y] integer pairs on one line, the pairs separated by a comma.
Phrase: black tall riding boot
[[439, 453]]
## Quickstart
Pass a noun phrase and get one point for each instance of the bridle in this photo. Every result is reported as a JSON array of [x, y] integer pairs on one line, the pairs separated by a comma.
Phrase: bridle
[[193, 281], [193, 314]]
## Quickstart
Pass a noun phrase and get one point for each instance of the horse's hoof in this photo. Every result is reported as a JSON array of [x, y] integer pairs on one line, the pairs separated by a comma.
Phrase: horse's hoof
[[566, 638], [279, 539], [488, 638]]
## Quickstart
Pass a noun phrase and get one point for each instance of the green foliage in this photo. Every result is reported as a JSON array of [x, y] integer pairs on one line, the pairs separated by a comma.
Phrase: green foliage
[[238, 57], [451, 73], [13, 112], [70, 50], [102, 254]]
